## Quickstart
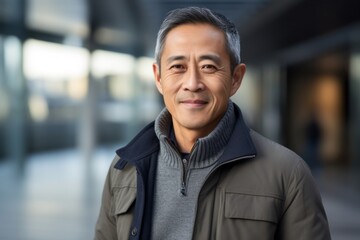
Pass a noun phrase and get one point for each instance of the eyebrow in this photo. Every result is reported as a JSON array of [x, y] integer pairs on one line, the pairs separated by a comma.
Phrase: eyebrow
[[211, 57], [175, 58]]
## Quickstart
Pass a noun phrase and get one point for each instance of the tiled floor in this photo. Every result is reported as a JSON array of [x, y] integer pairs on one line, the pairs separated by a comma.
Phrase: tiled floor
[[59, 196], [340, 189]]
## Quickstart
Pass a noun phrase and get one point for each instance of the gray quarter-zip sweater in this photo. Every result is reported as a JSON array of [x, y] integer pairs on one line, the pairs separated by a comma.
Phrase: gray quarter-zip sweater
[[179, 180]]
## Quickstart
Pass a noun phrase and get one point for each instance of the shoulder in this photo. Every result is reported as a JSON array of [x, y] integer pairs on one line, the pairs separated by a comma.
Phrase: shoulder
[[274, 171], [275, 154], [279, 160], [124, 177], [267, 146]]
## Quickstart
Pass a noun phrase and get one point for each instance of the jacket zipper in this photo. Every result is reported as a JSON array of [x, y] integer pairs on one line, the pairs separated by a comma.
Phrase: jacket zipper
[[137, 225]]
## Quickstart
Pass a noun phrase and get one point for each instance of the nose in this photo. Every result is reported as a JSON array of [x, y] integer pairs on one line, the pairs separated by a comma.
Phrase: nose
[[193, 80]]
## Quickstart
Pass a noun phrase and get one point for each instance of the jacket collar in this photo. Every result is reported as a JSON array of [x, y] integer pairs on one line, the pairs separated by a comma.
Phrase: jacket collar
[[143, 144], [146, 143], [240, 144]]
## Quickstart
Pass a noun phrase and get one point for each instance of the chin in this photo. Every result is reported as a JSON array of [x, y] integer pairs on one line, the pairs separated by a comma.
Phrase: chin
[[194, 125]]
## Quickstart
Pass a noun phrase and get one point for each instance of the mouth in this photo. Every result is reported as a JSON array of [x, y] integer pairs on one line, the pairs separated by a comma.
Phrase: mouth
[[194, 103]]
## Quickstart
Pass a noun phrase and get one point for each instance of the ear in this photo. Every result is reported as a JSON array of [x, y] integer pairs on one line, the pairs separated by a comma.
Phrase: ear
[[156, 71], [237, 77]]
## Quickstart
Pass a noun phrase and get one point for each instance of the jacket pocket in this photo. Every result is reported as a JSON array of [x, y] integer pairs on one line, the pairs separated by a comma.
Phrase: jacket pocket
[[253, 207], [123, 200]]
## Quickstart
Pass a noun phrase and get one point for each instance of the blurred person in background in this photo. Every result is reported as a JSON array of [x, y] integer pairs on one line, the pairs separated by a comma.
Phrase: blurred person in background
[[197, 171]]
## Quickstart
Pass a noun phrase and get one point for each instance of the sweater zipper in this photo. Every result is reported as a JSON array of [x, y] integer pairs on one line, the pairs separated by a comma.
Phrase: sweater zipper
[[184, 177], [185, 171], [185, 166]]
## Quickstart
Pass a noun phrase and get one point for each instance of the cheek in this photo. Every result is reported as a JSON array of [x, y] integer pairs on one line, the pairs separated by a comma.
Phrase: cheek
[[169, 92], [170, 85], [221, 89]]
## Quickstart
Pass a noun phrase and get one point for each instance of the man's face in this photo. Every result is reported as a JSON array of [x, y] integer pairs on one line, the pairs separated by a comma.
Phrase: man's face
[[195, 77]]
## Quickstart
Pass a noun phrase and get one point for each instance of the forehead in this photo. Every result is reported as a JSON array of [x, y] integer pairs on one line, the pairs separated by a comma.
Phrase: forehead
[[191, 29], [195, 36]]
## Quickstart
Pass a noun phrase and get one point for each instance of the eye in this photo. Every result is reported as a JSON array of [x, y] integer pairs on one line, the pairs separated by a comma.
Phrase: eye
[[209, 68], [178, 68]]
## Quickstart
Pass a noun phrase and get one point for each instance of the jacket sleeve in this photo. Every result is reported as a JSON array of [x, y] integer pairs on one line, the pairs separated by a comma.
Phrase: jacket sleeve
[[106, 224], [304, 216]]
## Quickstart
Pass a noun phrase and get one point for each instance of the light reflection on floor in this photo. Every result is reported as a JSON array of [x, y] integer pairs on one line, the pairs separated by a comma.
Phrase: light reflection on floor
[[59, 197]]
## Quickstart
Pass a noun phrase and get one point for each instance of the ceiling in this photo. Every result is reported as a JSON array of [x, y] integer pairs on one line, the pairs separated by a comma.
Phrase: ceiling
[[125, 25], [130, 26], [135, 23]]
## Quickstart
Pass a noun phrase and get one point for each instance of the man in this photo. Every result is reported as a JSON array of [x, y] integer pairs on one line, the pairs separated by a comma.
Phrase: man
[[197, 171]]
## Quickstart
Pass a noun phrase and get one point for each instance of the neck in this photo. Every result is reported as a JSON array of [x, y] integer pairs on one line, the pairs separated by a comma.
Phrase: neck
[[186, 138], [185, 141]]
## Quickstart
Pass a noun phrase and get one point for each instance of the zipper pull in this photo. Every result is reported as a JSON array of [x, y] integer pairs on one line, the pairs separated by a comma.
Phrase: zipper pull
[[183, 189], [185, 164], [184, 174]]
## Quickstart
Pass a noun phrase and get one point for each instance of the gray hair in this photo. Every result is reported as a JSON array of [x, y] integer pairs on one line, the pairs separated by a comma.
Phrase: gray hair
[[200, 15]]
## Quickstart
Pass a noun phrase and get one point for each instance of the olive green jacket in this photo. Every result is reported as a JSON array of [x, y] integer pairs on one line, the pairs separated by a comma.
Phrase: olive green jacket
[[268, 196]]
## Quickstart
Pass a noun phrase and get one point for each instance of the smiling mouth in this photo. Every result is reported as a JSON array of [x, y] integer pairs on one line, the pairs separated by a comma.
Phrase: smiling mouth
[[194, 103]]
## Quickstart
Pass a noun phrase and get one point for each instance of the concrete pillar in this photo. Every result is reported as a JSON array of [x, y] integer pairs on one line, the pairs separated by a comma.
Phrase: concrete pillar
[[87, 122], [271, 119], [17, 93], [86, 139], [4, 102], [354, 107]]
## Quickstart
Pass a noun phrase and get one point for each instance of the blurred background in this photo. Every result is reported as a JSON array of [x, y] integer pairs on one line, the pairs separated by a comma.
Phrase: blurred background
[[76, 84]]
